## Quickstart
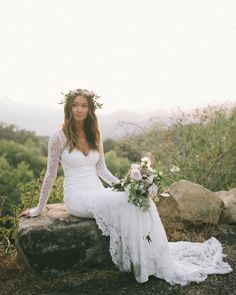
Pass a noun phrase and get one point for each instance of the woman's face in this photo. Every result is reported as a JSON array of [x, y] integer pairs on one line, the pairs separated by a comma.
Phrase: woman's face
[[80, 108]]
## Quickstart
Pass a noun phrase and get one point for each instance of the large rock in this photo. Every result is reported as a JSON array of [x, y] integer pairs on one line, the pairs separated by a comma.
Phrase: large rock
[[169, 212], [229, 211], [57, 243], [194, 203]]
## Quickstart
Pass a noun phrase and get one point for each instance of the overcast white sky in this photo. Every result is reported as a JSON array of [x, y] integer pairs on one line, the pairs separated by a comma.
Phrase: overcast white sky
[[138, 55]]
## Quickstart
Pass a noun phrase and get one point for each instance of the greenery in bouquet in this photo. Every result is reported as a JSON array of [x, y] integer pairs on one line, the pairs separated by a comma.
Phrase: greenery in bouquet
[[141, 183]]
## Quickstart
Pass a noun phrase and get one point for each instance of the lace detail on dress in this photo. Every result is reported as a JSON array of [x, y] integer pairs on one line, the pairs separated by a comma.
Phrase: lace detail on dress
[[194, 261], [177, 262], [55, 148], [102, 170], [56, 145], [118, 249], [115, 226], [124, 223]]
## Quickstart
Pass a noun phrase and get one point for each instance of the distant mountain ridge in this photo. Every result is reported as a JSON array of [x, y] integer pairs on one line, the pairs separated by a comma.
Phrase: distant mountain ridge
[[44, 120]]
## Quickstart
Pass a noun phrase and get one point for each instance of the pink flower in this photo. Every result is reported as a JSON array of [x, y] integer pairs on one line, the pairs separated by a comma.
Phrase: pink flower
[[134, 166], [135, 174]]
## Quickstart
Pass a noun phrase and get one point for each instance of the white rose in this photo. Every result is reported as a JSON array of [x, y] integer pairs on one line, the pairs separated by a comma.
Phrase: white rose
[[141, 187], [134, 167], [150, 179], [127, 189], [152, 190], [146, 160], [136, 174], [150, 169], [174, 169]]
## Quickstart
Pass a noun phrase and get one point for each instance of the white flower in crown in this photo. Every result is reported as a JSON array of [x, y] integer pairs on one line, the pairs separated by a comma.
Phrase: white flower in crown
[[152, 190], [136, 174], [91, 95], [174, 169]]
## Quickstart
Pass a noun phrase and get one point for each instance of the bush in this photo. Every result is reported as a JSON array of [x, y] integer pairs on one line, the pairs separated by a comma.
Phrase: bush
[[117, 165], [203, 146]]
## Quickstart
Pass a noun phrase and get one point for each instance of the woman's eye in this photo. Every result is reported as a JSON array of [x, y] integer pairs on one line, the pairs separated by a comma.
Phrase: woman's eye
[[83, 106]]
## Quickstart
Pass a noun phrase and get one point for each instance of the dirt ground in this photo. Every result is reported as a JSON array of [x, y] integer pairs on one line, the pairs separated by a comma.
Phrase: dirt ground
[[17, 281]]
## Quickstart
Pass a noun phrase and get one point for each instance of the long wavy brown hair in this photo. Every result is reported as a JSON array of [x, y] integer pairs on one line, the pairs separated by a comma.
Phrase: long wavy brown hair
[[91, 127]]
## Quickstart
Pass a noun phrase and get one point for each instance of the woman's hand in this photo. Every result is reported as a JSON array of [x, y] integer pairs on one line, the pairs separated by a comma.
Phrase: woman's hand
[[25, 213]]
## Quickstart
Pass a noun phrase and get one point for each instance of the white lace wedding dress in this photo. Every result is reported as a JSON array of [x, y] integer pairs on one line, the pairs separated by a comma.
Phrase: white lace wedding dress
[[127, 225]]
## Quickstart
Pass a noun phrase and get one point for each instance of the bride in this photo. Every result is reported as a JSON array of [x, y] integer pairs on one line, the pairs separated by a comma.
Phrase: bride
[[78, 146]]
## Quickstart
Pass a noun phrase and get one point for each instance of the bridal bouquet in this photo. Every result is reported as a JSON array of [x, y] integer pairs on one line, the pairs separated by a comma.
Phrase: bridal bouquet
[[141, 183]]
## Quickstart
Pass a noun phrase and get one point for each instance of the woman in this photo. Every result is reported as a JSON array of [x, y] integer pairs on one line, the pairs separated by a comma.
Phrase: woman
[[79, 148]]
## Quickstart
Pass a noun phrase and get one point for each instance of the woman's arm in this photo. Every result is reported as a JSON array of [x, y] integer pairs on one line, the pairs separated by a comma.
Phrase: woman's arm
[[102, 170], [55, 148]]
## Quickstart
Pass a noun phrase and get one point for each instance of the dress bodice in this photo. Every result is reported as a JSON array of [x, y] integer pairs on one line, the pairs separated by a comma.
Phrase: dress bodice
[[79, 169], [76, 159]]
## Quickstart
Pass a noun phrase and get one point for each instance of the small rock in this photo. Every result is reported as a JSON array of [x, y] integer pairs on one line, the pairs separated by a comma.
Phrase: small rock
[[229, 211]]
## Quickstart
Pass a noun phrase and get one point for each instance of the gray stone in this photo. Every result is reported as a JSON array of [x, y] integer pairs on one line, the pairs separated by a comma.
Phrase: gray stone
[[195, 203], [57, 243]]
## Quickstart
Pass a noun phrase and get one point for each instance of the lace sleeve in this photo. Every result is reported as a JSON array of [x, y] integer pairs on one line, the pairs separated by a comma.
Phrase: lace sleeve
[[55, 147], [102, 170]]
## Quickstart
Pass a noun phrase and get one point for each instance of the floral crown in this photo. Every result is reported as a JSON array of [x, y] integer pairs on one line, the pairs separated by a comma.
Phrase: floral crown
[[83, 92]]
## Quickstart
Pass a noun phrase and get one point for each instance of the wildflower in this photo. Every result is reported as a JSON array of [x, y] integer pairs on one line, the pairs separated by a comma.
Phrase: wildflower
[[174, 169]]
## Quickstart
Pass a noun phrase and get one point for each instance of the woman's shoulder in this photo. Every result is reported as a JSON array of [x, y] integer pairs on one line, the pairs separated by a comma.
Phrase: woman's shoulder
[[58, 135]]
